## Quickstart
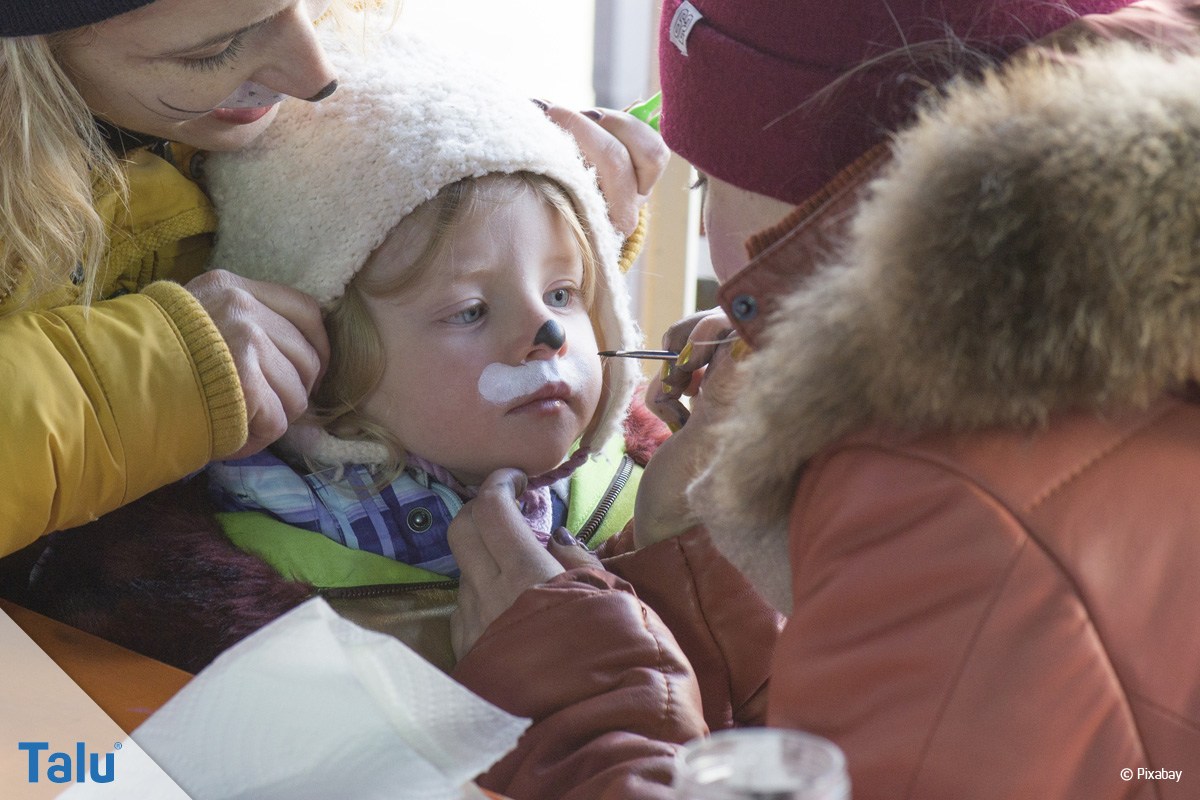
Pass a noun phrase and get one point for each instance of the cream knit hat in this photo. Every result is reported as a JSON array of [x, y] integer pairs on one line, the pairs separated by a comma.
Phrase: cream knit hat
[[317, 193]]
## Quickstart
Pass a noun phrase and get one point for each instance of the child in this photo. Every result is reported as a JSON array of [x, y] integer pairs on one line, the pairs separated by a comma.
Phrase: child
[[468, 269]]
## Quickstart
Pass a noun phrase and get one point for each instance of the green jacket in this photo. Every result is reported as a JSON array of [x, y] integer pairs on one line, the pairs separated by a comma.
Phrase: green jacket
[[600, 504]]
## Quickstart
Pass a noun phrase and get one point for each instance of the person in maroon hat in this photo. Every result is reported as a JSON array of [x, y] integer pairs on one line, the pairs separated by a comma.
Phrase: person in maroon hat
[[963, 452], [124, 368]]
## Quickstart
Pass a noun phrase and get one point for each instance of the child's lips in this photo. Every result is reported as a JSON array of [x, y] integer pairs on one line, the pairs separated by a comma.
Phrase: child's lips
[[548, 398]]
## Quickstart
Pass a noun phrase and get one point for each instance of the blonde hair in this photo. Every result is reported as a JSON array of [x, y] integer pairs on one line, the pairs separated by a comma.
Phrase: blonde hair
[[357, 361], [55, 161]]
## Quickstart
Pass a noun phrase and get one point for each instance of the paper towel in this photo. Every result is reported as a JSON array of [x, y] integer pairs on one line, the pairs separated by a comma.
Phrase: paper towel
[[312, 707]]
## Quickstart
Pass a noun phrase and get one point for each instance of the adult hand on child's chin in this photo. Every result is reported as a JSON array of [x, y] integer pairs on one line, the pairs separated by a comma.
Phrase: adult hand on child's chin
[[629, 157], [279, 346], [498, 557]]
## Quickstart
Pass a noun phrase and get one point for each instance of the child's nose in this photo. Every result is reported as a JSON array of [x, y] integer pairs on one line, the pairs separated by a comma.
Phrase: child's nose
[[549, 337]]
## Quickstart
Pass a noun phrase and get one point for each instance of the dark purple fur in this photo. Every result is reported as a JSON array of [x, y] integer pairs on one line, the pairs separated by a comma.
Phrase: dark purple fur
[[158, 577]]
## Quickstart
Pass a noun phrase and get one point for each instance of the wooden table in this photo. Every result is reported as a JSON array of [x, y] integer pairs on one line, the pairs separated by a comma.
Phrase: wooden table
[[127, 685]]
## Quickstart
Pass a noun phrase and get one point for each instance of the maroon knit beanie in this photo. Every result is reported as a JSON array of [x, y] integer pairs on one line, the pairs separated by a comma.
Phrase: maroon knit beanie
[[745, 102], [33, 17]]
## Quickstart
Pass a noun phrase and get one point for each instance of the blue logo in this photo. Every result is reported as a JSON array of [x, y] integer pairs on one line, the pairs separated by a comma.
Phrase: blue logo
[[63, 768]]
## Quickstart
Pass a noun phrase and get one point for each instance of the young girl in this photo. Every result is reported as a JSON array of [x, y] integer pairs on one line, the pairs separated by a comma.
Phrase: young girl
[[156, 367], [469, 274]]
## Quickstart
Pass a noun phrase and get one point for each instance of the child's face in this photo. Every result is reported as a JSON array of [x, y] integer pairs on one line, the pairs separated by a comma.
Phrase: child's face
[[508, 268]]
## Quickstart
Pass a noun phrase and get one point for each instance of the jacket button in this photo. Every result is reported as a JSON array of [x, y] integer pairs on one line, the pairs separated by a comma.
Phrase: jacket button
[[419, 520], [744, 308]]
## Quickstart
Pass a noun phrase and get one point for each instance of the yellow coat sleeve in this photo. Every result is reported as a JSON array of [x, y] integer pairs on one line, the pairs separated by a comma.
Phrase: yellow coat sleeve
[[103, 405]]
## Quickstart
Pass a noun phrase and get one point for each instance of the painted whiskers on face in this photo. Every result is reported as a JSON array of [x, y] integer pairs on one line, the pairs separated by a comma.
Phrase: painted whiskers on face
[[504, 384]]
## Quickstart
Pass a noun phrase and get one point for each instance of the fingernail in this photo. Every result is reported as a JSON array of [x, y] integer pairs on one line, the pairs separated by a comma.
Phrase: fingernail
[[674, 427], [739, 350], [542, 104], [563, 536], [593, 114], [684, 354], [666, 369]]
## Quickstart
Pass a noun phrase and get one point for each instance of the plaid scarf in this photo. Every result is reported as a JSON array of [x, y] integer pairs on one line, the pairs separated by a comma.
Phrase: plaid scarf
[[407, 520]]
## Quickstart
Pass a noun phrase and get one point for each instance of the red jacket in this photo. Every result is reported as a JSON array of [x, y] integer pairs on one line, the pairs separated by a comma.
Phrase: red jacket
[[611, 688]]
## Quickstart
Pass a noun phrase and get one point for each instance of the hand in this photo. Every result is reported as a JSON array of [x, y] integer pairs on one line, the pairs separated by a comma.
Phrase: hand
[[704, 371], [497, 554], [629, 157], [279, 346], [698, 339]]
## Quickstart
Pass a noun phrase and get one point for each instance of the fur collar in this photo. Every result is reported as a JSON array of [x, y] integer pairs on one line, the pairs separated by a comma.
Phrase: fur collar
[[1033, 247]]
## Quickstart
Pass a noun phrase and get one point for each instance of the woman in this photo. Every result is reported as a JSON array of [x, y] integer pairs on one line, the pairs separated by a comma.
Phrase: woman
[[963, 458], [125, 368]]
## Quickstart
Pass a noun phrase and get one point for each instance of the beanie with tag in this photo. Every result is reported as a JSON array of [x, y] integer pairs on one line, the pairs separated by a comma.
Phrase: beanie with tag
[[778, 96]]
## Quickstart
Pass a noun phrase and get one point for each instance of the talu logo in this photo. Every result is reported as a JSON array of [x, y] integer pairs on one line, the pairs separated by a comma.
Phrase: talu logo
[[64, 768]]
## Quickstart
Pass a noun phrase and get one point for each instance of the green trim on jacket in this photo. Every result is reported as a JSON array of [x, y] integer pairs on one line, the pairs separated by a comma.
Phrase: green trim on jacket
[[602, 492]]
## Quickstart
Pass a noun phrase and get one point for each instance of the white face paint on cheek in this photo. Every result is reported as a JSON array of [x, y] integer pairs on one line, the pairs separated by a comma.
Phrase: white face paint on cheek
[[251, 95], [502, 384]]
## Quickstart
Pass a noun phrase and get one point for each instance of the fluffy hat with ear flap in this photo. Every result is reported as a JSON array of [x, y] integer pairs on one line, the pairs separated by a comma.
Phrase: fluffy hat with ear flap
[[317, 193]]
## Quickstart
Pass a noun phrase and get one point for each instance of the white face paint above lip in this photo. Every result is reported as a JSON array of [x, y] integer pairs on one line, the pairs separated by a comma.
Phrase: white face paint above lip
[[251, 95], [502, 384]]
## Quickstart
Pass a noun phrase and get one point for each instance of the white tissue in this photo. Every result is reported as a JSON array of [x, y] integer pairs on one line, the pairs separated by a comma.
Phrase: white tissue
[[313, 706]]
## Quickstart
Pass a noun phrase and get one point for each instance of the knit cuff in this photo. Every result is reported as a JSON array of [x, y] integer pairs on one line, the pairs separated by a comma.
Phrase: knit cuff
[[633, 244], [214, 365]]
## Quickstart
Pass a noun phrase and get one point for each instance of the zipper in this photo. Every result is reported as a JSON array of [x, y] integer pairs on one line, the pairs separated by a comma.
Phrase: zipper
[[383, 589], [624, 470]]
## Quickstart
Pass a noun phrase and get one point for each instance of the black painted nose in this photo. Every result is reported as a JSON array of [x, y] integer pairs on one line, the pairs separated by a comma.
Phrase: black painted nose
[[329, 89], [551, 334]]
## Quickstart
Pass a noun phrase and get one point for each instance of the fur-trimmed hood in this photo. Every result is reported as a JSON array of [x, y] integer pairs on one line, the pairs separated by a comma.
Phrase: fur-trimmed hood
[[1032, 247]]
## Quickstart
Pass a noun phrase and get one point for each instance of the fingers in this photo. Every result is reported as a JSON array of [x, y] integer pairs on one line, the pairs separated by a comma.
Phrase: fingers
[[645, 146], [702, 340], [629, 157], [491, 536], [492, 514], [278, 343], [300, 311], [669, 409], [570, 552], [703, 337], [498, 556]]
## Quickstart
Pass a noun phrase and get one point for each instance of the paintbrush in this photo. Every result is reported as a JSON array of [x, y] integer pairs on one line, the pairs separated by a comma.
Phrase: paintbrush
[[658, 355]]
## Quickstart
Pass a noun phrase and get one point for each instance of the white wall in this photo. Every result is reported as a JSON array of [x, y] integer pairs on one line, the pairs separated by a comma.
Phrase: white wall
[[543, 47]]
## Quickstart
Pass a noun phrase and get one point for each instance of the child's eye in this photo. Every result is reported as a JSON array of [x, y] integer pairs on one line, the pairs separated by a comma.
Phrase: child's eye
[[558, 298], [468, 315]]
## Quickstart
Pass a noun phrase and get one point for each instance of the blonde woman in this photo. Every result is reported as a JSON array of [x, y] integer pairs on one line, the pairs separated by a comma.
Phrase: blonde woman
[[124, 368]]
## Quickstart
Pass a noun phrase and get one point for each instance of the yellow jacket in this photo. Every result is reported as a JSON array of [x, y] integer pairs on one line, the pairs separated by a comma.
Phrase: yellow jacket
[[104, 404]]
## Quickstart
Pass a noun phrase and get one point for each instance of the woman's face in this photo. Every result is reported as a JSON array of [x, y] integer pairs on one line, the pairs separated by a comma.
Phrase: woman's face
[[166, 68], [731, 216]]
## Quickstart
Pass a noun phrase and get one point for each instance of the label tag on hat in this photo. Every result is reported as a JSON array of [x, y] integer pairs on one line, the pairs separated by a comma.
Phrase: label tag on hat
[[686, 17]]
